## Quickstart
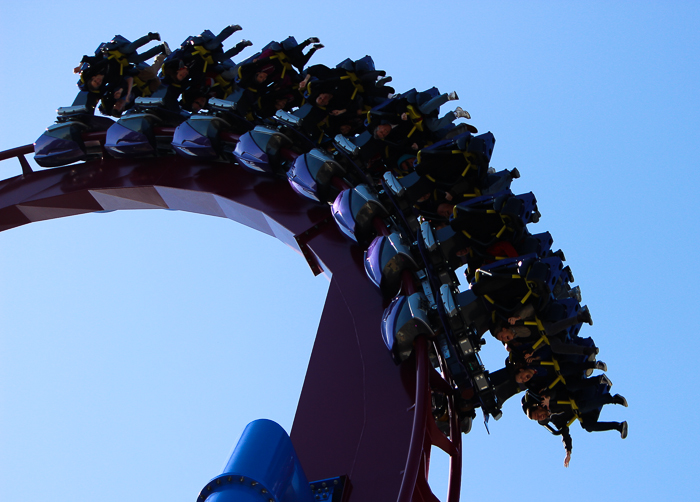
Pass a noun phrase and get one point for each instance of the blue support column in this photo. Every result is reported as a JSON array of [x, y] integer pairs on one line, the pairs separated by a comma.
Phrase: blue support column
[[263, 468]]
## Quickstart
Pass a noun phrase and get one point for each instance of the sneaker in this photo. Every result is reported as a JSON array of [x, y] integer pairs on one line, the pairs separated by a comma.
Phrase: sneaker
[[604, 380], [318, 46], [246, 43], [575, 293], [514, 173], [313, 40], [236, 27], [600, 365], [618, 399], [166, 49], [383, 81], [460, 113], [623, 430], [452, 96], [153, 36], [584, 315]]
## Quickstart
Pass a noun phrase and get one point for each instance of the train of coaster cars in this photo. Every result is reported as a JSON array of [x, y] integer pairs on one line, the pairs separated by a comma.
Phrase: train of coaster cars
[[422, 205]]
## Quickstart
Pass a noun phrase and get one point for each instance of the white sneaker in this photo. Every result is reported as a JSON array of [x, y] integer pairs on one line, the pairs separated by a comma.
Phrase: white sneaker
[[452, 96], [460, 113]]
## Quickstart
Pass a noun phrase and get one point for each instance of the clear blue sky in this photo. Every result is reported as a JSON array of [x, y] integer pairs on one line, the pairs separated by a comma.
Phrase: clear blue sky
[[136, 346]]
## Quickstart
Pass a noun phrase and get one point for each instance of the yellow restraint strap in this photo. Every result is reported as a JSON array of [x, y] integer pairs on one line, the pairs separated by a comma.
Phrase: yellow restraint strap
[[204, 54], [120, 59]]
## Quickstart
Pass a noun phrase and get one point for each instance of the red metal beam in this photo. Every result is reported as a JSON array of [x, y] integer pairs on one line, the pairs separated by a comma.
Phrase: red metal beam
[[354, 413]]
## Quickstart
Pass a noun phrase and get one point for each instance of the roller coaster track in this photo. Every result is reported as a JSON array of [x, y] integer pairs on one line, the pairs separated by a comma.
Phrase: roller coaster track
[[358, 414]]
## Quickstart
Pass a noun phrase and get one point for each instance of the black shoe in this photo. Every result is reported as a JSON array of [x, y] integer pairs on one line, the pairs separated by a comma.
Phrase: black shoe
[[623, 430], [584, 315], [604, 380], [154, 36], [313, 40]]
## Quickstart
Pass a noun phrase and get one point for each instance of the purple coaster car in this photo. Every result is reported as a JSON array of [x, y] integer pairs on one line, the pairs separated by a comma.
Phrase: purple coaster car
[[403, 320], [354, 210], [311, 175], [133, 136], [198, 137], [385, 260], [259, 150]]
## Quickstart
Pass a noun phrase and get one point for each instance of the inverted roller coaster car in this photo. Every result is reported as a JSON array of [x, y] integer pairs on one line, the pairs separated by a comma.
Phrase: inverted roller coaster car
[[355, 210], [508, 284], [462, 159], [316, 175], [63, 143], [489, 219], [199, 137], [264, 150], [211, 136], [385, 260], [403, 320], [144, 131], [133, 136]]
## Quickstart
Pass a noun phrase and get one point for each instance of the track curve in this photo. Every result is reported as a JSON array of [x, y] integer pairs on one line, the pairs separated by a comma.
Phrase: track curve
[[352, 389]]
